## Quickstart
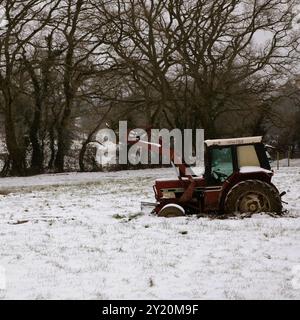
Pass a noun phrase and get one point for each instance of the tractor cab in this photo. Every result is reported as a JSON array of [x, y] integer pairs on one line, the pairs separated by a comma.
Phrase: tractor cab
[[225, 157]]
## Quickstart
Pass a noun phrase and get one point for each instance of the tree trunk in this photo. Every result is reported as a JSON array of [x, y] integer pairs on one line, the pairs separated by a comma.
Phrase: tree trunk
[[52, 148], [37, 158], [59, 162], [63, 140], [81, 156], [16, 153]]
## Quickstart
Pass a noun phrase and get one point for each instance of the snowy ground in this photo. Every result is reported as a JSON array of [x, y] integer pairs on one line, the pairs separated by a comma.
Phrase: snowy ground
[[85, 239]]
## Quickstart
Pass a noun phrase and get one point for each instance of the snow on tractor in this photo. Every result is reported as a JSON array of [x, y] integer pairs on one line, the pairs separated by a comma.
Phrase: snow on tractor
[[237, 180]]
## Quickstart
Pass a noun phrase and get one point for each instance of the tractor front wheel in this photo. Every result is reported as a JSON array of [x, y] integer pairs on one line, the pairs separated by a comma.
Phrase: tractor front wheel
[[171, 211], [253, 196]]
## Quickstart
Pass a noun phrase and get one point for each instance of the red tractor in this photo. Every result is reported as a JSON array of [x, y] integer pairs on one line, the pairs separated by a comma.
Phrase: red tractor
[[237, 179]]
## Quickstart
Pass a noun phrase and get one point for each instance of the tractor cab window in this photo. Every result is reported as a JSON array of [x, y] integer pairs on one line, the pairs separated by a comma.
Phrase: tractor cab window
[[221, 164], [247, 156]]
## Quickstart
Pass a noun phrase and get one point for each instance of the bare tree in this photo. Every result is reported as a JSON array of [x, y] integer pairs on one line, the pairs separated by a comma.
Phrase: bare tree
[[22, 21], [236, 54], [200, 60], [40, 67], [140, 44], [82, 59]]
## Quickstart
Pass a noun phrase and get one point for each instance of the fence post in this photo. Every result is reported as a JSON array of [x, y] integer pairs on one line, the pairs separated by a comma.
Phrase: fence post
[[277, 154], [289, 156]]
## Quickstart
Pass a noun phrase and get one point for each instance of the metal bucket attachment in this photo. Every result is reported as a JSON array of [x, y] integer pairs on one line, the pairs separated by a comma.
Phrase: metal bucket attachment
[[147, 207]]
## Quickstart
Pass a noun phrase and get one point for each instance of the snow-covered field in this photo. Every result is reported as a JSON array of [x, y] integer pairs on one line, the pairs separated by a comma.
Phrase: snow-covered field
[[82, 236]]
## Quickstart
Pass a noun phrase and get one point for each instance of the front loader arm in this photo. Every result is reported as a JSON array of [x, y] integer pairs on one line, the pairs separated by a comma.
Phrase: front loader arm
[[177, 161]]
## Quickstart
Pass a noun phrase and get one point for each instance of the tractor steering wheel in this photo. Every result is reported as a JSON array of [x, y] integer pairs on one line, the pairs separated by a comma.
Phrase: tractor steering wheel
[[219, 175]]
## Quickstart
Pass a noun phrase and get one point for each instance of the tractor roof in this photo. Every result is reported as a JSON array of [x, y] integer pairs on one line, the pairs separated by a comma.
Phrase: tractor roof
[[234, 141]]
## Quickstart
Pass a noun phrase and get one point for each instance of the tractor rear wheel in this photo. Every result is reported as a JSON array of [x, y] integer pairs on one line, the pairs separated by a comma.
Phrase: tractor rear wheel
[[171, 211], [253, 196]]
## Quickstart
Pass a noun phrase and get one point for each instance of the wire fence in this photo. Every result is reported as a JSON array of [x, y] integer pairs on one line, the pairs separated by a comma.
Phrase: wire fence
[[285, 158]]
